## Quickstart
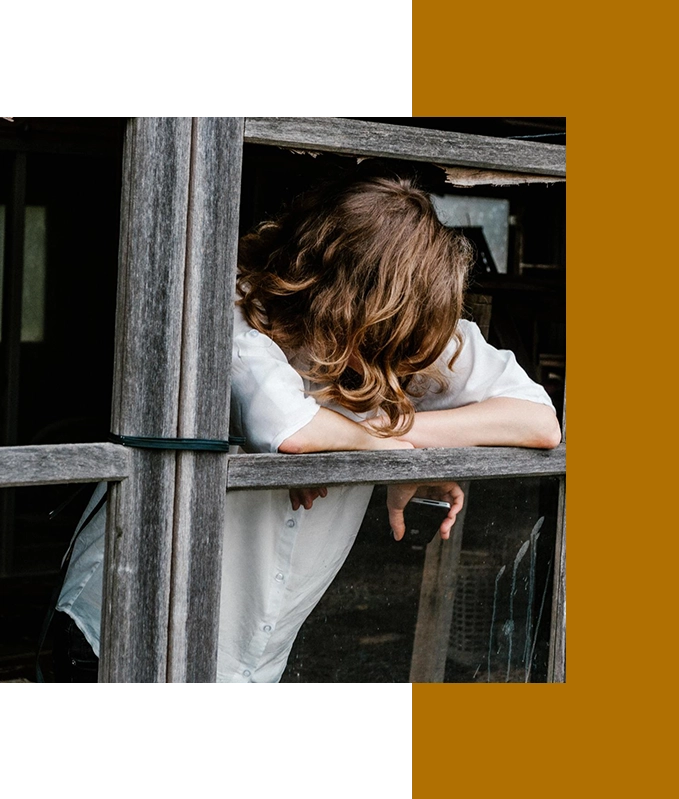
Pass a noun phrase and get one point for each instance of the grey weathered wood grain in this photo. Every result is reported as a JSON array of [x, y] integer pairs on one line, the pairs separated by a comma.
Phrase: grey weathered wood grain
[[62, 463], [122, 300], [212, 248], [146, 398], [154, 250], [435, 610], [349, 136], [556, 671], [557, 634], [404, 466]]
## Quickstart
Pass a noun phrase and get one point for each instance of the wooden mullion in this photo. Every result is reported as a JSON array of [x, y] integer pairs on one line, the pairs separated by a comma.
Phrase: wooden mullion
[[136, 601], [556, 670], [378, 139], [200, 507]]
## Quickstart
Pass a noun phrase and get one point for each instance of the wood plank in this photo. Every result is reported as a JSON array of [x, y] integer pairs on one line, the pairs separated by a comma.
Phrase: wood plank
[[146, 398], [50, 464], [556, 667], [353, 137], [200, 507], [404, 466], [435, 610], [465, 177], [556, 670]]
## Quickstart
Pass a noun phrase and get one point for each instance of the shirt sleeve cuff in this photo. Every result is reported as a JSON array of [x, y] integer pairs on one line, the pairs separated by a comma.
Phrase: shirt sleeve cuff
[[292, 428]]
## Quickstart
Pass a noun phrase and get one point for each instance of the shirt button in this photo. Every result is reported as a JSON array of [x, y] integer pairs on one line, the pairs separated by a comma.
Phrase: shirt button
[[247, 673], [279, 577], [290, 523], [267, 628], [253, 333]]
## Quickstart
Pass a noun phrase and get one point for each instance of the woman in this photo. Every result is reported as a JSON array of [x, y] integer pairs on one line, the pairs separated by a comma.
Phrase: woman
[[348, 336]]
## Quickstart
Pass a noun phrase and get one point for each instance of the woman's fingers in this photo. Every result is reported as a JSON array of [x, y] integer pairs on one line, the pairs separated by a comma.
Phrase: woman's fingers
[[304, 497], [397, 522], [446, 492], [447, 524], [398, 496], [455, 495]]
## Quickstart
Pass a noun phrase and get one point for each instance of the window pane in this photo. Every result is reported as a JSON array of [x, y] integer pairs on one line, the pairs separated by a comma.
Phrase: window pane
[[488, 213], [365, 626], [473, 608], [40, 543]]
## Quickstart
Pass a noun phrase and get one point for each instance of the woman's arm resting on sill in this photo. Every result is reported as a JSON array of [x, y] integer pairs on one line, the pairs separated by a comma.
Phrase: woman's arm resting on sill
[[329, 431], [501, 421], [497, 422]]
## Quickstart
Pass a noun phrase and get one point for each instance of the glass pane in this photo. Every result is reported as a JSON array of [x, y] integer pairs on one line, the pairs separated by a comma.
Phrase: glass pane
[[489, 213], [40, 542], [500, 580], [473, 608]]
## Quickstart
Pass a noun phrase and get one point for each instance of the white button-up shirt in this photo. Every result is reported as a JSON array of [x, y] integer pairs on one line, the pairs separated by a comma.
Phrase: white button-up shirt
[[277, 562]]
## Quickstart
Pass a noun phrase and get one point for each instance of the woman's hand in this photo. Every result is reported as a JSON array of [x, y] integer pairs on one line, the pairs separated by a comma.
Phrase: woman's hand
[[304, 497], [398, 496]]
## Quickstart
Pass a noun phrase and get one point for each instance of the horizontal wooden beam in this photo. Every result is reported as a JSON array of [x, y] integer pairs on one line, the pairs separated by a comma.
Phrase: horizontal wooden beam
[[397, 466], [90, 463], [447, 148], [62, 463]]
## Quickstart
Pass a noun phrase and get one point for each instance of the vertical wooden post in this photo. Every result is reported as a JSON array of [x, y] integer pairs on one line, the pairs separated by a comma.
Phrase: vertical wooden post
[[200, 505], [440, 577], [556, 667], [146, 398], [179, 234]]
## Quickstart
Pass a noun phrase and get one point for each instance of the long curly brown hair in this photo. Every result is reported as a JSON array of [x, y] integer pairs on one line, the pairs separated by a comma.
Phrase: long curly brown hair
[[359, 273]]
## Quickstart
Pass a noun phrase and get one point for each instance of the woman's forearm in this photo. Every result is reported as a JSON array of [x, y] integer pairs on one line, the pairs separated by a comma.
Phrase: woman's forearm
[[329, 431], [499, 422]]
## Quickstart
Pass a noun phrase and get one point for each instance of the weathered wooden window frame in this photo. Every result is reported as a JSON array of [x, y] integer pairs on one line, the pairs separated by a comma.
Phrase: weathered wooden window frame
[[176, 283]]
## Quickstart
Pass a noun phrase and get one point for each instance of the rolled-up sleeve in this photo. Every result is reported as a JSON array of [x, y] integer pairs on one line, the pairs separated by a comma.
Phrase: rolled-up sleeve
[[481, 372], [268, 402]]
